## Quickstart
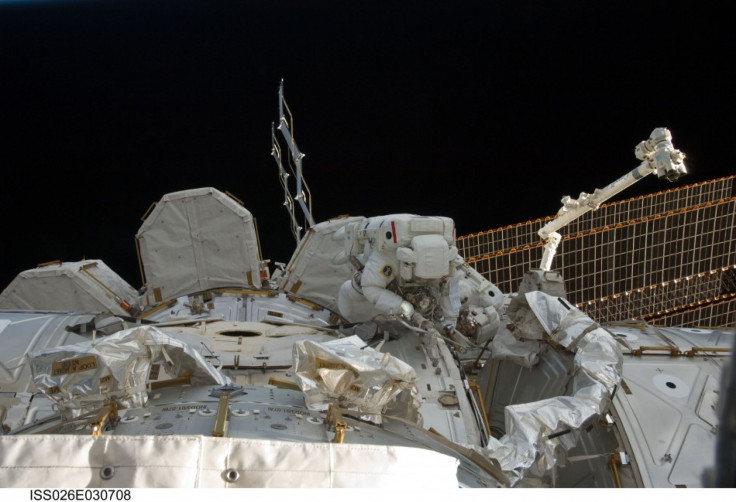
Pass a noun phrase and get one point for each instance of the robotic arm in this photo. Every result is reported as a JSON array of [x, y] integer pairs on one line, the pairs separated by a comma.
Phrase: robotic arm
[[657, 154]]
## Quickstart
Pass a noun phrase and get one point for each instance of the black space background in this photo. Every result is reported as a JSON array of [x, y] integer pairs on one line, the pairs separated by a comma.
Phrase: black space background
[[487, 112]]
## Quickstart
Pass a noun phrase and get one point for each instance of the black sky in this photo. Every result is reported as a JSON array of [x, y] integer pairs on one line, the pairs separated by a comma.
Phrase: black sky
[[487, 112]]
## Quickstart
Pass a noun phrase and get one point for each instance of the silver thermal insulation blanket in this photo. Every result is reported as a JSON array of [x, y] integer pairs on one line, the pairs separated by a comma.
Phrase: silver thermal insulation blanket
[[346, 373], [531, 448], [84, 376]]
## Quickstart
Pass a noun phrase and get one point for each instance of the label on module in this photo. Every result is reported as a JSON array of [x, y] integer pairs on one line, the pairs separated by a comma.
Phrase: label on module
[[76, 365]]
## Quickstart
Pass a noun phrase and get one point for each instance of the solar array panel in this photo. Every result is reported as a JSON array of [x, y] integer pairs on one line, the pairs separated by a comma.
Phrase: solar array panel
[[667, 257]]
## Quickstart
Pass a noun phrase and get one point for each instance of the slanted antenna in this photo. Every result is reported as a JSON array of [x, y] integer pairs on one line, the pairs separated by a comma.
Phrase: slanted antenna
[[294, 161]]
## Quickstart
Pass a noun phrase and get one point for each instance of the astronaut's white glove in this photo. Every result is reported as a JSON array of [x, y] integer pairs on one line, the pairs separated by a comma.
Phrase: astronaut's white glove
[[407, 310]]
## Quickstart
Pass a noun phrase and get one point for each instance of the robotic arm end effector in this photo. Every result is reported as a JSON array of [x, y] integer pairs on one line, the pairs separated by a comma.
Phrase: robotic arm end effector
[[660, 155]]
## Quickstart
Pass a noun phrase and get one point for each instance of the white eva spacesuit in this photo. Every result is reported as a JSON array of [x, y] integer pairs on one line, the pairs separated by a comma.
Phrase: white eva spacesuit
[[408, 265]]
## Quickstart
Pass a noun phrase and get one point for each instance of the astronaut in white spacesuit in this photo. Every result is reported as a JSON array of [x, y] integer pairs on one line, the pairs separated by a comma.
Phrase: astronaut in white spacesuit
[[410, 268]]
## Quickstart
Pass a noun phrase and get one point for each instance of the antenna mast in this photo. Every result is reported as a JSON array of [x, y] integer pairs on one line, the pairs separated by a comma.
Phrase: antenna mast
[[294, 158]]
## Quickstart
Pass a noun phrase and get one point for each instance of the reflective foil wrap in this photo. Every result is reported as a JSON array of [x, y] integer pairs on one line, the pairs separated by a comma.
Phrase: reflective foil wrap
[[522, 352], [531, 447], [346, 373], [84, 376]]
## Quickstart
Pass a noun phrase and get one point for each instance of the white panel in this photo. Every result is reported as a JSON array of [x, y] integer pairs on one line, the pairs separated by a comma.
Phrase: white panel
[[311, 272], [433, 256], [196, 240], [84, 286], [696, 455], [206, 462]]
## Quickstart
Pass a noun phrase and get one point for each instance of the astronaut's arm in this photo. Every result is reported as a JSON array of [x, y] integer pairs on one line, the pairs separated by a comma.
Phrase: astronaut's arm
[[388, 302]]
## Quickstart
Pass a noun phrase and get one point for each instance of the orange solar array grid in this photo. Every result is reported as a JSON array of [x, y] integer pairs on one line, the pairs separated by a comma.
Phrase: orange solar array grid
[[642, 243]]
